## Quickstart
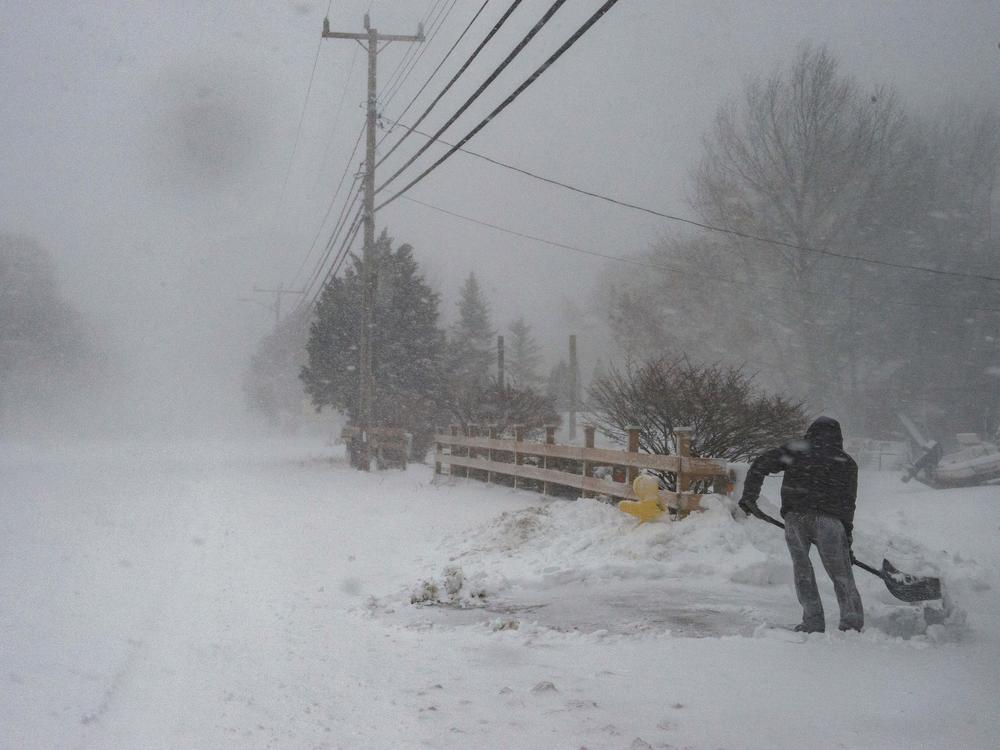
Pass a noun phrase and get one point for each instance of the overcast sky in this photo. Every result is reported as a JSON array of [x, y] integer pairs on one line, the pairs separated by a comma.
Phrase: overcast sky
[[146, 145]]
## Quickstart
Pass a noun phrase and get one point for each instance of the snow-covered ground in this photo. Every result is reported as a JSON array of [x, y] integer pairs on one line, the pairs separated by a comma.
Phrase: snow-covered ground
[[261, 595]]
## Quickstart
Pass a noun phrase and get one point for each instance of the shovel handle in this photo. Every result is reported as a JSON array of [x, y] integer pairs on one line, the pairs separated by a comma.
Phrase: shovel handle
[[773, 521], [869, 568]]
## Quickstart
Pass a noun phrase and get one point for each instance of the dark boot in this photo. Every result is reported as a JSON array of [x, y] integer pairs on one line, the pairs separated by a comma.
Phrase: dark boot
[[804, 628]]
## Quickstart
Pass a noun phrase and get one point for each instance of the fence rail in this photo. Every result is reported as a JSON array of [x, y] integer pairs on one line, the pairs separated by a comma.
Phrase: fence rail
[[472, 455]]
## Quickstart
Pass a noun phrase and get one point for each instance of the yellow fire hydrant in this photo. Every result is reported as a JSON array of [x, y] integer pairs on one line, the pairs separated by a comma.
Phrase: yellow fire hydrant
[[647, 507]]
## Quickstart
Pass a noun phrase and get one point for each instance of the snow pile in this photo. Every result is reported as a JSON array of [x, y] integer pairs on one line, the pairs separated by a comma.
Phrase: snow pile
[[585, 542], [717, 572], [590, 541]]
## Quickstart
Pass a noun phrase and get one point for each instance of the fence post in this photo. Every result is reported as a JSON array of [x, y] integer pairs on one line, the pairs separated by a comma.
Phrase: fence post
[[550, 439], [588, 442], [473, 452], [633, 447], [451, 450], [437, 452], [494, 431], [518, 456], [683, 437], [466, 450]]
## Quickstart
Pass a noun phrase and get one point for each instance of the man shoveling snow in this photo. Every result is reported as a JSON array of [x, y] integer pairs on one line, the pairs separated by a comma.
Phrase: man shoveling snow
[[818, 497]]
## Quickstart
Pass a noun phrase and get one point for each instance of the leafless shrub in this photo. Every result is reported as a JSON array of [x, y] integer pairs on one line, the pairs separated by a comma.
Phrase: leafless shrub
[[730, 418]]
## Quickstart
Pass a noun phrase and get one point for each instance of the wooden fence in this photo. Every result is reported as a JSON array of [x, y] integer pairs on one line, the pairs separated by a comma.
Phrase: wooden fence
[[540, 466]]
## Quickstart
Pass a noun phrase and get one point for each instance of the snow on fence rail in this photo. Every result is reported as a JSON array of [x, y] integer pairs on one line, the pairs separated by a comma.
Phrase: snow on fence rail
[[539, 466]]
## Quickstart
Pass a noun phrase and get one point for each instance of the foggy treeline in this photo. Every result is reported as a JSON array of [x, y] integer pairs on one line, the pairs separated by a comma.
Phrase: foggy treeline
[[49, 362], [809, 157]]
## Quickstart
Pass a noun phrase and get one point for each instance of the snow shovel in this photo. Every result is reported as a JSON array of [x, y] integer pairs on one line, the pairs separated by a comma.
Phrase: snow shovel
[[901, 585]]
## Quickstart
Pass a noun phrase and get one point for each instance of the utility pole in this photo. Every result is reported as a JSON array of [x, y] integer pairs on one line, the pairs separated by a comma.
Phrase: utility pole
[[276, 307], [370, 40]]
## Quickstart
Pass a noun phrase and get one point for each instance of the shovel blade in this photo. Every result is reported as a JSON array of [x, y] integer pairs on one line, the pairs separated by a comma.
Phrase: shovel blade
[[910, 588]]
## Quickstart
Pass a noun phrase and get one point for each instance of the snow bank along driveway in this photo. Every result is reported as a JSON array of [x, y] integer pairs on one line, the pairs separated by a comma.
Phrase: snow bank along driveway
[[213, 596]]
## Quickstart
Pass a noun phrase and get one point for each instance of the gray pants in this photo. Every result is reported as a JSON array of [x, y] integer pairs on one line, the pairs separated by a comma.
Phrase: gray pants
[[803, 529]]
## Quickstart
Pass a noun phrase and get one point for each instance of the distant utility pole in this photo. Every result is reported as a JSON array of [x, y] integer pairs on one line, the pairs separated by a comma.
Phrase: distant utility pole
[[278, 293], [370, 40]]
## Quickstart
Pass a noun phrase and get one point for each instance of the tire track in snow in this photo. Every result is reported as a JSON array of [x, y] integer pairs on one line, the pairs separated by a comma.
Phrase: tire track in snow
[[118, 680]]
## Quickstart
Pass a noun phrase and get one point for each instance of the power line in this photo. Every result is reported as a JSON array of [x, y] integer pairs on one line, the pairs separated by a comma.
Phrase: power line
[[475, 53], [702, 225], [352, 199], [539, 25], [394, 89], [333, 200], [684, 271], [439, 65], [341, 256], [503, 105], [334, 236], [344, 251], [332, 240], [336, 117], [302, 115], [338, 261], [424, 23]]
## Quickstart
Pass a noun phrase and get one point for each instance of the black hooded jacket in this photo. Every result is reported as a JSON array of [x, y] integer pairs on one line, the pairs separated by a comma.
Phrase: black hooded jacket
[[819, 476]]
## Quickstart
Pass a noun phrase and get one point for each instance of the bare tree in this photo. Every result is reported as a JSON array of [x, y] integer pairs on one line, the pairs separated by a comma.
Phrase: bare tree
[[797, 159]]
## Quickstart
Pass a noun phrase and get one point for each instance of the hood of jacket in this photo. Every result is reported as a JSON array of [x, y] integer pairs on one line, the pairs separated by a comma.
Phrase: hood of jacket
[[825, 432]]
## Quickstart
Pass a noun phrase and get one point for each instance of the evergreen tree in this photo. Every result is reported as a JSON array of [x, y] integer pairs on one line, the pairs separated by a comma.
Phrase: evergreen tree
[[524, 356], [471, 345], [407, 344]]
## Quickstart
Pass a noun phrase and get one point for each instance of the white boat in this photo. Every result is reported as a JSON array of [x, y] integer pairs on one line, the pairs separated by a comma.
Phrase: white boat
[[976, 462]]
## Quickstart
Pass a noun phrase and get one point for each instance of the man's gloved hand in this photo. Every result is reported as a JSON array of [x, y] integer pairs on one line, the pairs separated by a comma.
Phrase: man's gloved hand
[[749, 507]]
